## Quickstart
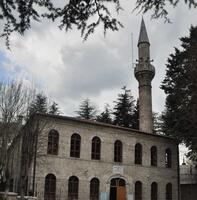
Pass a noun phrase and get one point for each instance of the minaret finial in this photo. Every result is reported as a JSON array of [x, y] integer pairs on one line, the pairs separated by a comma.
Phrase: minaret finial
[[143, 37]]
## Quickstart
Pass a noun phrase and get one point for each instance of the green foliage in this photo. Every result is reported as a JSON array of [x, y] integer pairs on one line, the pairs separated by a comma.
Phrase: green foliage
[[135, 116], [105, 116], [180, 85], [160, 8], [39, 105], [87, 110], [157, 123], [123, 109], [85, 15]]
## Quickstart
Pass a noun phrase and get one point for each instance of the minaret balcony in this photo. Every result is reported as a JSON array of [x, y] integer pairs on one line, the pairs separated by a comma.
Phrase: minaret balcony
[[144, 68]]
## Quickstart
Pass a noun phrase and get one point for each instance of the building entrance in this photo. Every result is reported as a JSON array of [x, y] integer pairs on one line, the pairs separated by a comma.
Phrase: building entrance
[[117, 189]]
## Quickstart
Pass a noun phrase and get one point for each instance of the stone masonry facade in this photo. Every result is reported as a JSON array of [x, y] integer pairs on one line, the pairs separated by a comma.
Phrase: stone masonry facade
[[63, 166]]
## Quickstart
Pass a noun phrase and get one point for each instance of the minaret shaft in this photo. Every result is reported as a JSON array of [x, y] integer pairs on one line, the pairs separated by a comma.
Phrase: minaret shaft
[[145, 105], [144, 73]]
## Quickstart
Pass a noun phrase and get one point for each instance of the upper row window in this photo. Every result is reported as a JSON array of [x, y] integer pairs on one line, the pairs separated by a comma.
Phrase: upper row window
[[75, 145], [96, 148], [138, 154], [53, 141], [153, 156], [118, 151]]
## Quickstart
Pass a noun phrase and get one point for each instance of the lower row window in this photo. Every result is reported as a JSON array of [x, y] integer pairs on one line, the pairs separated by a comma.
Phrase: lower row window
[[73, 188]]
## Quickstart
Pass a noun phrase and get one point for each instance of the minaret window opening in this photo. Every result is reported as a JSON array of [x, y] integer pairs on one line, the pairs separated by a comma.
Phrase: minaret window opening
[[138, 154]]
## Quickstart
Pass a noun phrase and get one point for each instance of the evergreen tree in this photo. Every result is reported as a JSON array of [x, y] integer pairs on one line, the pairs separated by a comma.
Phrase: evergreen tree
[[85, 15], [180, 85], [39, 105], [157, 123], [54, 109], [105, 116], [87, 110], [123, 109], [135, 116]]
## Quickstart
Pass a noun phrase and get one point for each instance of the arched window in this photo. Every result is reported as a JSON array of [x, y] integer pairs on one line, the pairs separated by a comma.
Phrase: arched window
[[138, 154], [50, 187], [94, 189], [118, 151], [75, 145], [53, 142], [138, 190], [153, 156], [73, 186], [96, 148], [154, 191], [168, 158], [169, 191]]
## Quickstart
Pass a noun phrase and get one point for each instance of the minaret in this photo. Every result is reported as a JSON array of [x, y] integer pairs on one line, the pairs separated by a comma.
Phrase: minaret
[[144, 73]]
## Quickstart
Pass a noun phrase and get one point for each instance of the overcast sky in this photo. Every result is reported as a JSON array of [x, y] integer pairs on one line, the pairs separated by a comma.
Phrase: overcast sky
[[69, 70]]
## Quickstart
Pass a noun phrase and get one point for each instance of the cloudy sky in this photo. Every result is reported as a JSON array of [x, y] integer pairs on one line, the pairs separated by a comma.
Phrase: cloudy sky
[[69, 70]]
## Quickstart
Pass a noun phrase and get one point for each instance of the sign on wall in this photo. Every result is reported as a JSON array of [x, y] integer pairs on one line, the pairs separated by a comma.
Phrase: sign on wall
[[130, 196], [103, 196], [117, 169]]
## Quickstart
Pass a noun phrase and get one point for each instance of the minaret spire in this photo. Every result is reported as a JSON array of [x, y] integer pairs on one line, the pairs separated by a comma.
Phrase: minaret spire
[[143, 34], [144, 73]]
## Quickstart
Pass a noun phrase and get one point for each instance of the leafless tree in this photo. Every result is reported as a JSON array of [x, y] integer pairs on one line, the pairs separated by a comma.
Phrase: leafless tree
[[30, 134], [14, 100]]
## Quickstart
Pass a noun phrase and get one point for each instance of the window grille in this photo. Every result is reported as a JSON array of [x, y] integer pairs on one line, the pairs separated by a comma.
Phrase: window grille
[[138, 154], [75, 145], [118, 151], [73, 186], [53, 142], [94, 189], [50, 187], [96, 148]]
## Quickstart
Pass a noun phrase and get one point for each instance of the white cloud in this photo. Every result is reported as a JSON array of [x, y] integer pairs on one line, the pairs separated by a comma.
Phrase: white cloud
[[69, 70]]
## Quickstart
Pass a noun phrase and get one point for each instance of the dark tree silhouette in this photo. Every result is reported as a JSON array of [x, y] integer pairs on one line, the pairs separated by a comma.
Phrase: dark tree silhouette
[[85, 15], [180, 86], [87, 110], [135, 116], [39, 105], [123, 109], [160, 8], [105, 116], [54, 109]]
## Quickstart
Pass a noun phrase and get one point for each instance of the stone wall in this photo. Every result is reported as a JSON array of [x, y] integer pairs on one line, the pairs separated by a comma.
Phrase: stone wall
[[63, 166]]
